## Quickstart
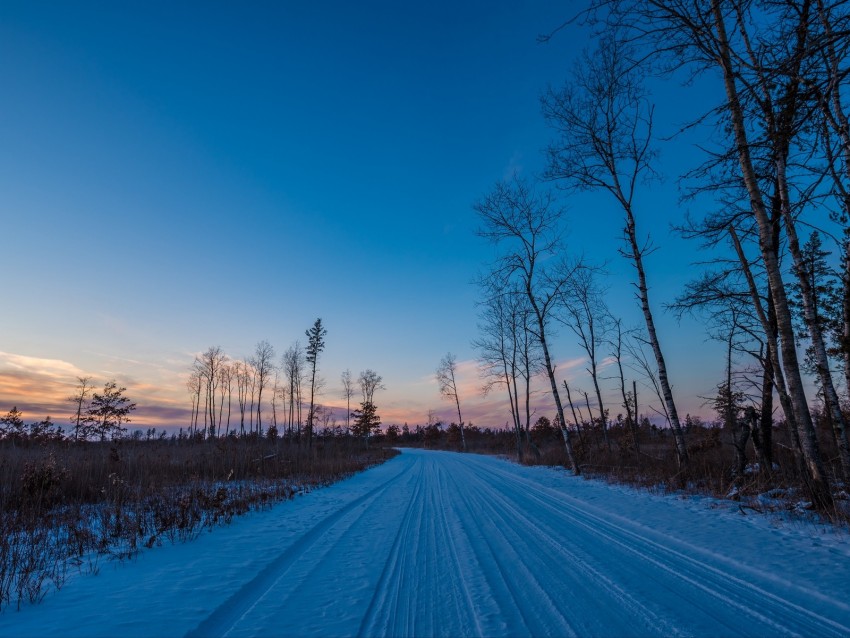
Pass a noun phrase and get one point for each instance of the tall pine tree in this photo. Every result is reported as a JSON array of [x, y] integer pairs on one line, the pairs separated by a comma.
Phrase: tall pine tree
[[315, 344]]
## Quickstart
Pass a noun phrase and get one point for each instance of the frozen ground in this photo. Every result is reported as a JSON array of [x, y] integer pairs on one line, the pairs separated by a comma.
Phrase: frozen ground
[[436, 543]]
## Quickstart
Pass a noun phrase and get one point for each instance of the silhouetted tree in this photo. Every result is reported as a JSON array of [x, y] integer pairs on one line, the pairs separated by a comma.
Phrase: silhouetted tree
[[366, 420], [448, 388], [194, 384], [587, 316], [107, 412], [79, 397], [12, 424], [263, 364], [293, 369], [209, 366], [370, 382], [347, 392], [605, 125], [529, 224], [508, 351], [315, 345]]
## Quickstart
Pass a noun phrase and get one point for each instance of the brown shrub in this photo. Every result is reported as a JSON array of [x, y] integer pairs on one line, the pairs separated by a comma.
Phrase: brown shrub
[[63, 504]]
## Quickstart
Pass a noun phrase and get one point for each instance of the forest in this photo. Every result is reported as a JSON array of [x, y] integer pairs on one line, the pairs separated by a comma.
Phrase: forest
[[774, 172]]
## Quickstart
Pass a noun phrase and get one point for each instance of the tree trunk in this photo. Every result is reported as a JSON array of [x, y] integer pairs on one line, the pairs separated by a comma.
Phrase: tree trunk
[[763, 435], [629, 419], [573, 409], [550, 372], [833, 405], [741, 433], [817, 480], [643, 294], [602, 420]]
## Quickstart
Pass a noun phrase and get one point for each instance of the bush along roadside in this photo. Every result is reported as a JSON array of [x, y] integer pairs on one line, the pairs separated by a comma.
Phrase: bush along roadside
[[65, 506]]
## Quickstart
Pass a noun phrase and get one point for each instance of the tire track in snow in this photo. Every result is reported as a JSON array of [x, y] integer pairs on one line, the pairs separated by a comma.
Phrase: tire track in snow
[[423, 588], [461, 596], [436, 543], [388, 593], [468, 547], [701, 579], [670, 577], [517, 586], [227, 615], [546, 549]]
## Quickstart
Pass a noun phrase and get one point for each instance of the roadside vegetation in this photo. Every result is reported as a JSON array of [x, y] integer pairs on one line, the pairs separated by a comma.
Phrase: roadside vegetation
[[71, 495], [767, 205], [67, 505], [645, 457]]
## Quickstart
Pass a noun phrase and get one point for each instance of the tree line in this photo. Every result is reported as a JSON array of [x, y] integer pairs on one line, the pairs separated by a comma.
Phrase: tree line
[[227, 394], [776, 165]]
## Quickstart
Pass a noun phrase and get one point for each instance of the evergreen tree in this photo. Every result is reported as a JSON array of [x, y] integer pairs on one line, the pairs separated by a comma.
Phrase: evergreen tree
[[11, 424], [45, 429], [366, 420], [826, 295], [107, 411], [315, 344]]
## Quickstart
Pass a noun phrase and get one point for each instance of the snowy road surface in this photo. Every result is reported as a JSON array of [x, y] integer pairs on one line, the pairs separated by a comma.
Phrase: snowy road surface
[[443, 544]]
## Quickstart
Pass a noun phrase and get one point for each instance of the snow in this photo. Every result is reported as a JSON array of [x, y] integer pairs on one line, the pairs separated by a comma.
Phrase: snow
[[438, 543]]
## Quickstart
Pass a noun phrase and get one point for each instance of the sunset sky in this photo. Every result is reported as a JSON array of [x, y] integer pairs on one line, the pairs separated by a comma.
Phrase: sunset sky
[[177, 175]]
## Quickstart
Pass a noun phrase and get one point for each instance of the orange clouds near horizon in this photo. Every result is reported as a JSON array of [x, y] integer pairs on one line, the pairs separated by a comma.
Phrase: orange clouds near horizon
[[41, 387]]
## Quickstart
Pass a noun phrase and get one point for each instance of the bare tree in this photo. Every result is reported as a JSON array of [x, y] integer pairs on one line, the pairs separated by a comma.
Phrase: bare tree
[[274, 397], [282, 393], [640, 363], [226, 373], [224, 382], [735, 316], [194, 384], [209, 365], [616, 343], [263, 364], [761, 52], [366, 419], [605, 125], [507, 352], [243, 373], [293, 369], [347, 392], [81, 393], [585, 313], [529, 223], [370, 382], [447, 382]]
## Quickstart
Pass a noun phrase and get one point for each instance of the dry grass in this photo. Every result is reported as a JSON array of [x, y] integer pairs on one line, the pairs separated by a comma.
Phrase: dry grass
[[655, 467], [65, 505]]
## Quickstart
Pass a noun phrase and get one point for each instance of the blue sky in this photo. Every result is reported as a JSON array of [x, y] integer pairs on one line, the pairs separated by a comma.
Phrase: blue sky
[[180, 175]]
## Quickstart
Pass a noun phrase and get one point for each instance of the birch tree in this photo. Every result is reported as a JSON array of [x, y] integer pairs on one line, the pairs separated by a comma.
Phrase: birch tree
[[507, 353], [527, 226], [447, 383], [587, 316], [759, 51], [209, 366], [605, 122]]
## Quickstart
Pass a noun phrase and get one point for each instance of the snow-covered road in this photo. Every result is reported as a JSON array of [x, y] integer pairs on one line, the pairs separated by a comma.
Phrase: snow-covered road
[[437, 543]]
